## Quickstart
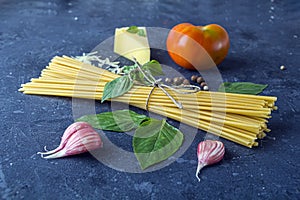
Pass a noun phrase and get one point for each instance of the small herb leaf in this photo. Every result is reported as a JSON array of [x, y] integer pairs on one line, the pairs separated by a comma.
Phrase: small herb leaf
[[153, 67], [154, 141], [136, 30], [137, 76], [141, 32], [119, 121], [116, 87], [133, 29], [242, 87]]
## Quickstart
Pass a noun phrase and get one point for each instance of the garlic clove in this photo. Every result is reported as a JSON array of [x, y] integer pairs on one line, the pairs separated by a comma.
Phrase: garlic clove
[[78, 138], [209, 152], [74, 128], [77, 148], [67, 134]]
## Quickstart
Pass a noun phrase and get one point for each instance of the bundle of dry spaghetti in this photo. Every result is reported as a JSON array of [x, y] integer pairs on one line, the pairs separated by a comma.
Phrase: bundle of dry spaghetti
[[236, 117]]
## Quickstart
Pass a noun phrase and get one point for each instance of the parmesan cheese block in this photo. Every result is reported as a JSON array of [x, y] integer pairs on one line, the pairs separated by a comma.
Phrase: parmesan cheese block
[[132, 45]]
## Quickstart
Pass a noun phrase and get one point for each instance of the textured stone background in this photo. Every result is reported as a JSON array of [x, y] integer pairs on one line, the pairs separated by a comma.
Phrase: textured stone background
[[264, 35]]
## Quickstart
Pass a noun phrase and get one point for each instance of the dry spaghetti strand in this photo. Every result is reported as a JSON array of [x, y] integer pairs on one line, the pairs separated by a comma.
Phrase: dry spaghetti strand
[[237, 117]]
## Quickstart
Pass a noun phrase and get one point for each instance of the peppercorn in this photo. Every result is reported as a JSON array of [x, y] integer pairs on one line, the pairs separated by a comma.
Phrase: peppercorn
[[194, 78], [186, 82], [181, 78], [177, 80], [168, 80], [203, 84], [205, 88], [200, 80]]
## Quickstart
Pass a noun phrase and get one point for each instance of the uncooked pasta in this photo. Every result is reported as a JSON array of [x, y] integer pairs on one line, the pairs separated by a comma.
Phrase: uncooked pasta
[[237, 117]]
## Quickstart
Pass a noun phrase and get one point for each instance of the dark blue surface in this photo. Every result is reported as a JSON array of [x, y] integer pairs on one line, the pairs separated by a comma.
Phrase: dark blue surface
[[264, 35]]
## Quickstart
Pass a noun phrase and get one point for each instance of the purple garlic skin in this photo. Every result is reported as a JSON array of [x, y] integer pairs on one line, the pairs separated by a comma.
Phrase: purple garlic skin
[[209, 152], [79, 137]]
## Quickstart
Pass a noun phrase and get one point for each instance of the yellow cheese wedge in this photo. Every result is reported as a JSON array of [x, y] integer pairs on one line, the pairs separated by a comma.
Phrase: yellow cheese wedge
[[132, 45]]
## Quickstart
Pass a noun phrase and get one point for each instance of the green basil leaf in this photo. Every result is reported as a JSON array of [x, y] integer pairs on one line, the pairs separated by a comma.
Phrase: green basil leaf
[[242, 87], [154, 141], [133, 29], [119, 121], [116, 87], [141, 32], [139, 77], [153, 67]]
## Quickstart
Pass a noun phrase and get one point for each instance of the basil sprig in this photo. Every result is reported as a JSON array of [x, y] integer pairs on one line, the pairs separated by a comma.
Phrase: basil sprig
[[136, 30], [118, 121], [153, 141], [116, 87], [153, 67], [123, 84], [242, 87]]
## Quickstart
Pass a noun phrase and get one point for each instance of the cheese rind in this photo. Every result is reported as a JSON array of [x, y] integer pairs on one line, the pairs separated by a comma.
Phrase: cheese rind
[[132, 45]]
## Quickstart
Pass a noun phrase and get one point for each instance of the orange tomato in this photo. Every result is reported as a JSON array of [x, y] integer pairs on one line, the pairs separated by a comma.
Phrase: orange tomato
[[197, 47]]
